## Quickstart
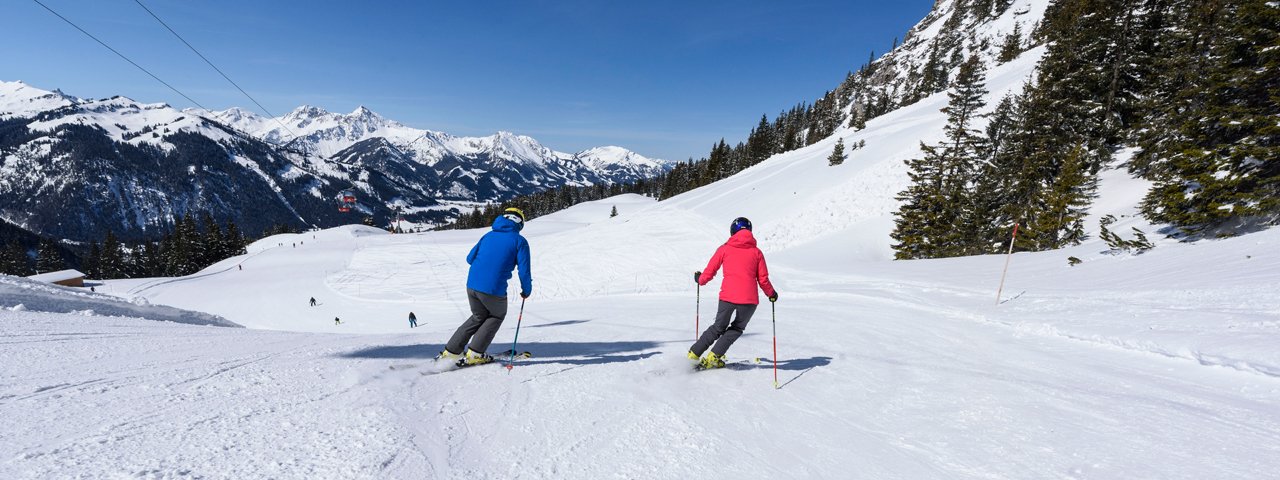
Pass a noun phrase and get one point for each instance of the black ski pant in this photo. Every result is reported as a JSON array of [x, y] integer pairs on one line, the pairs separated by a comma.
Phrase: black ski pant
[[723, 333], [487, 312]]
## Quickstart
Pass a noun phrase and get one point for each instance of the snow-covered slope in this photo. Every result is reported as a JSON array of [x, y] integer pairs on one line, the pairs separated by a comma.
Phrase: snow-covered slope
[[18, 99], [23, 295], [892, 369]]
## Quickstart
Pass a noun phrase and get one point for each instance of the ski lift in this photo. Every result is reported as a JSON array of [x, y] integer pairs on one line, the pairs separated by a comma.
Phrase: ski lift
[[348, 201]]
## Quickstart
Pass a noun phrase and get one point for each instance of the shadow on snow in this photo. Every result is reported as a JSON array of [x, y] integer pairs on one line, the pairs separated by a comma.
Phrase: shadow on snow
[[558, 324], [577, 353]]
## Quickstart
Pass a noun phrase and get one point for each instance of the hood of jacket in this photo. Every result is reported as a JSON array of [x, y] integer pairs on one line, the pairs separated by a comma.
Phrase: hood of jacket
[[504, 224], [742, 239]]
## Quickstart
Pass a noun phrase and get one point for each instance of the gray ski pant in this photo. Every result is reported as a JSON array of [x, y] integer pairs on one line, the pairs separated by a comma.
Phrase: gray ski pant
[[487, 312], [722, 333]]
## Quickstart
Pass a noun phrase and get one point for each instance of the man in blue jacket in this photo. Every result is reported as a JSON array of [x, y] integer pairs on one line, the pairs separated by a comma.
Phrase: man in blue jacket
[[492, 260]]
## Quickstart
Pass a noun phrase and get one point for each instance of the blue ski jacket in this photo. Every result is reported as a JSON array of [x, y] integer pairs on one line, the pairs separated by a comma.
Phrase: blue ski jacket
[[495, 256]]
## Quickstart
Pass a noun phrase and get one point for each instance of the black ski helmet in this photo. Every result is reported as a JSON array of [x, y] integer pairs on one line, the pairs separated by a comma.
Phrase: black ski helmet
[[739, 224]]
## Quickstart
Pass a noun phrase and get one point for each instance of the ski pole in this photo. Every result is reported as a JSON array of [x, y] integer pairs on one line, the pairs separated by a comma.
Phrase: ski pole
[[698, 314], [774, 307], [519, 318]]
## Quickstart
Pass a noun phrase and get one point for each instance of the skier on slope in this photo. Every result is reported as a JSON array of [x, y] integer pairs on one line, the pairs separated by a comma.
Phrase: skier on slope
[[492, 260], [744, 267]]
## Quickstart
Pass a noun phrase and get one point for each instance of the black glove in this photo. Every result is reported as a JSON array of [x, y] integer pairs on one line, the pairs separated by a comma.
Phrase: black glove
[[524, 294], [774, 297], [696, 276]]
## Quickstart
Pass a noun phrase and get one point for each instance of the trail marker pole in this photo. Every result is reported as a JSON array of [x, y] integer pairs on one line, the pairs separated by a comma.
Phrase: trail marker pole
[[1006, 262], [520, 318]]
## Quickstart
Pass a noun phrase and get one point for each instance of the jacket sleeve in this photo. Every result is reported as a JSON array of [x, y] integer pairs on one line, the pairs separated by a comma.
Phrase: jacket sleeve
[[762, 276], [712, 266], [522, 262], [471, 257]]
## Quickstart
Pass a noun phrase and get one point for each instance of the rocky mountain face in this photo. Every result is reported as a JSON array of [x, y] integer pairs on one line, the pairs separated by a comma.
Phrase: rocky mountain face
[[498, 166], [73, 168]]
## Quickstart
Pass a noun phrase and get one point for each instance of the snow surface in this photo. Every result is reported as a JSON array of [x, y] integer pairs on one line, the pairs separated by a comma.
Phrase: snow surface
[[1121, 367]]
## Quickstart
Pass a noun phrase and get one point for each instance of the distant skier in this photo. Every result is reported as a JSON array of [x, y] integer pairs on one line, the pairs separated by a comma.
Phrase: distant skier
[[413, 320], [313, 301], [744, 268], [336, 321], [492, 260], [239, 267]]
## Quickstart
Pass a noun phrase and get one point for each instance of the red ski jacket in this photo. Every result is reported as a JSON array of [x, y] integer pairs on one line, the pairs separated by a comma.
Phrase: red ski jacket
[[743, 268]]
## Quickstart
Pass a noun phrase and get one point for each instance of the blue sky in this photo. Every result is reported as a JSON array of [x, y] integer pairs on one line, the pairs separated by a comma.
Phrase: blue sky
[[664, 78]]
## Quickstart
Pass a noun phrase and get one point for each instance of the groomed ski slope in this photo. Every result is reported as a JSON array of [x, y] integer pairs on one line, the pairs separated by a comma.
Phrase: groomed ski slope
[[1160, 365]]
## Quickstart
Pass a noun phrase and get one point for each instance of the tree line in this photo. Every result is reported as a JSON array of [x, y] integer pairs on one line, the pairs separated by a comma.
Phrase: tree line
[[1188, 84], [187, 248]]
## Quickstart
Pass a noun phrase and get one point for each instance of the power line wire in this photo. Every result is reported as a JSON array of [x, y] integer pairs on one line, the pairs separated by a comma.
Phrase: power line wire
[[215, 67], [104, 44]]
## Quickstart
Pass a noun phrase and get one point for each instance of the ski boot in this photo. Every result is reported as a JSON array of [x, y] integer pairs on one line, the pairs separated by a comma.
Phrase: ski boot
[[447, 355], [712, 361], [693, 356], [475, 358]]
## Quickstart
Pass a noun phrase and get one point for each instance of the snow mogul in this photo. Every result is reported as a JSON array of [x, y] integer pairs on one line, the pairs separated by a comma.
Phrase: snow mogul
[[492, 260], [744, 268]]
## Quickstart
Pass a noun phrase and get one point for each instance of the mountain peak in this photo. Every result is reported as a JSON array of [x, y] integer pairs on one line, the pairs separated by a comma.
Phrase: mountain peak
[[362, 111], [307, 111], [20, 99]]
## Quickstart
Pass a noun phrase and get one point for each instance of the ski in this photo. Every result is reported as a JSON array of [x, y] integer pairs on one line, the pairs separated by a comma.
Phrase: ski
[[435, 366], [734, 365], [498, 358]]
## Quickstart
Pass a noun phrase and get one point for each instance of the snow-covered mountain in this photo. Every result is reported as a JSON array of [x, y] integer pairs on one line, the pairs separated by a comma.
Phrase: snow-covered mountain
[[73, 169], [134, 168], [464, 163]]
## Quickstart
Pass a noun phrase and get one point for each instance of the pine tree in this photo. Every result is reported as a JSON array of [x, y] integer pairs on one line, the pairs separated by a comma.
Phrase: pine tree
[[211, 242], [233, 241], [111, 261], [994, 176], [966, 149], [15, 260], [48, 257], [1220, 168], [1063, 206], [918, 222], [760, 143], [936, 219], [91, 264], [837, 154], [1012, 45]]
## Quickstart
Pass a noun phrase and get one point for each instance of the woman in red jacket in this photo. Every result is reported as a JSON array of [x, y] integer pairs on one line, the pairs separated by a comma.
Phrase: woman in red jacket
[[744, 268]]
